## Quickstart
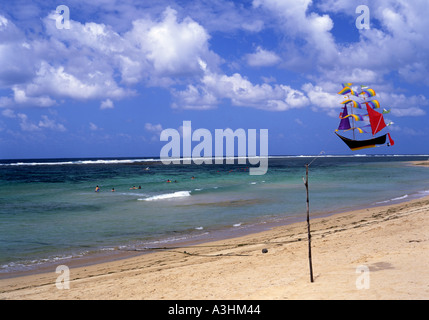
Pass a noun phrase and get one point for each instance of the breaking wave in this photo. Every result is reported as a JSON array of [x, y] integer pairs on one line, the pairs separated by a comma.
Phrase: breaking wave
[[178, 194]]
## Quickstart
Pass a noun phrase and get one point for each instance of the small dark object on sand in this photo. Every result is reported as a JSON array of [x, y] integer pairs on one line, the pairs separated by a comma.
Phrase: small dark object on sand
[[264, 250]]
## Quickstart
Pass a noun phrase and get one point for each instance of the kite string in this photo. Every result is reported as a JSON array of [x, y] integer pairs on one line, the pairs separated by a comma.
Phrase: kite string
[[321, 152]]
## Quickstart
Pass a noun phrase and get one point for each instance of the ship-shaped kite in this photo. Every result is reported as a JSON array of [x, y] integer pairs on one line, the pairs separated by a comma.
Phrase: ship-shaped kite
[[359, 107]]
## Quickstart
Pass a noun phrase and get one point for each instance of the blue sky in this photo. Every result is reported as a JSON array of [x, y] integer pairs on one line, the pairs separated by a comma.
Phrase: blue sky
[[126, 70]]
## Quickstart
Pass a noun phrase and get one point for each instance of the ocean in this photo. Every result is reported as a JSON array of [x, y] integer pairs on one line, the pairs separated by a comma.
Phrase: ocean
[[50, 213]]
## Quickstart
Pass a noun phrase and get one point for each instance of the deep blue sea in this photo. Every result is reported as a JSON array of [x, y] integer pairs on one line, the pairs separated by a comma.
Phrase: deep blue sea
[[50, 212]]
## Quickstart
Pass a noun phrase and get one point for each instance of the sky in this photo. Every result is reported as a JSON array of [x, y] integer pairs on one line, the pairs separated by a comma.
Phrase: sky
[[121, 72]]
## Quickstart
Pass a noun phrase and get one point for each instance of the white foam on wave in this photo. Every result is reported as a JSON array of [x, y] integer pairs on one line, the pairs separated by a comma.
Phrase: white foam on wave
[[77, 162], [393, 199], [185, 237], [400, 198], [38, 163], [29, 264], [380, 202], [178, 194], [131, 194]]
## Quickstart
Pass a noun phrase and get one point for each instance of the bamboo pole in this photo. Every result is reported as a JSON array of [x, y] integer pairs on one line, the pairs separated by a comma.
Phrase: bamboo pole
[[308, 224]]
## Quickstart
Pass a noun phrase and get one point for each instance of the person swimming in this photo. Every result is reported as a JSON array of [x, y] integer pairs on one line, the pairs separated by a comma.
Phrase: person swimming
[[97, 189]]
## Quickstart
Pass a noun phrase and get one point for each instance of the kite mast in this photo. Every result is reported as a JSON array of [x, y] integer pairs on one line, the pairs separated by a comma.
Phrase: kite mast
[[308, 224], [353, 123], [308, 215]]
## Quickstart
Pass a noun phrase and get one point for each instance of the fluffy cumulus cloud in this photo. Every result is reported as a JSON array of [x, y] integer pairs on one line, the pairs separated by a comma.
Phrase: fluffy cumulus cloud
[[395, 41], [157, 128], [322, 99], [84, 62], [402, 105], [395, 46], [264, 96], [51, 124], [240, 92], [28, 125], [195, 98], [154, 129], [54, 68], [298, 24], [107, 104], [262, 58], [171, 47]]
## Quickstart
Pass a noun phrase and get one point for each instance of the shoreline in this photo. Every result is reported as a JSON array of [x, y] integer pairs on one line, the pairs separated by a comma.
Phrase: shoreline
[[116, 254], [235, 268], [106, 256], [424, 163]]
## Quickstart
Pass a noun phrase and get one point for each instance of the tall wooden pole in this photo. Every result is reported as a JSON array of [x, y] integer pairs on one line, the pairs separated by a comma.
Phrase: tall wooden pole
[[308, 224]]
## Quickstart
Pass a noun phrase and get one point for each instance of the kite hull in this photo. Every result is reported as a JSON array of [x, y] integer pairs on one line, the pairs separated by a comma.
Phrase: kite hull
[[363, 144]]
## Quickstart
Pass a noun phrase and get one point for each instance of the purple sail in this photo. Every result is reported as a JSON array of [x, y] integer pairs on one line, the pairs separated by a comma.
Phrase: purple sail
[[345, 122]]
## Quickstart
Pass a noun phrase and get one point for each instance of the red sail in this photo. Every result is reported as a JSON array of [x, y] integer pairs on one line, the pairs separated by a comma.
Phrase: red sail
[[376, 119], [391, 140]]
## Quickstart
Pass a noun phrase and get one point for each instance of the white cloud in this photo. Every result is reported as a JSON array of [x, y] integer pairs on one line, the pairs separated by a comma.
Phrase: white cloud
[[3, 23], [253, 26], [241, 92], [396, 41], [75, 69], [21, 98], [51, 124], [166, 47], [16, 57], [106, 104], [262, 58], [195, 98], [224, 16], [299, 122], [413, 112], [295, 21], [172, 47], [161, 49], [402, 105], [157, 128], [93, 126], [84, 61], [8, 113], [355, 75], [61, 83], [321, 99], [25, 124], [325, 97], [406, 130]]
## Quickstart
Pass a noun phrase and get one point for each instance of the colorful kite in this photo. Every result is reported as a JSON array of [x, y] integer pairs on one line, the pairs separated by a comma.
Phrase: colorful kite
[[376, 120]]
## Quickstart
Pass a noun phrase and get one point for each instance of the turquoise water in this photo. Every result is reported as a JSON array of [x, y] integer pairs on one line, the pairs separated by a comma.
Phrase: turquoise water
[[49, 211]]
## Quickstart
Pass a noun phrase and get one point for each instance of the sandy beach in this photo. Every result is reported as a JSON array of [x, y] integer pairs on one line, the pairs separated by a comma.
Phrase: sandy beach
[[374, 253]]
